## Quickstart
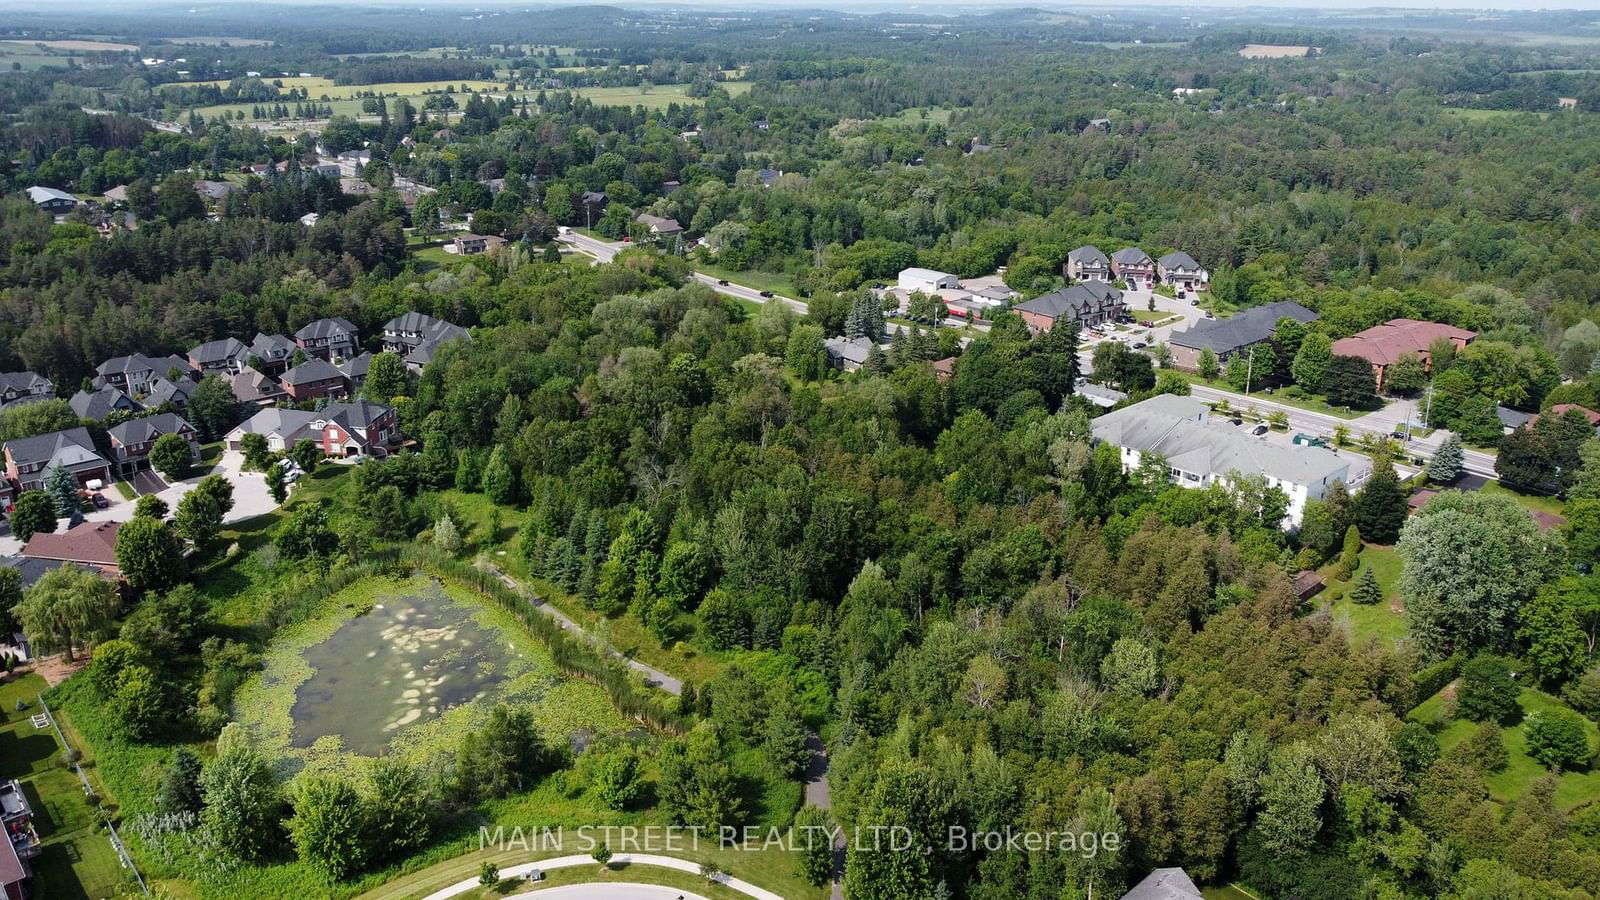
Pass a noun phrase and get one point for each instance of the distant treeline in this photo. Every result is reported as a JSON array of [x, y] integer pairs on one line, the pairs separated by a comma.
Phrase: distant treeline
[[378, 71]]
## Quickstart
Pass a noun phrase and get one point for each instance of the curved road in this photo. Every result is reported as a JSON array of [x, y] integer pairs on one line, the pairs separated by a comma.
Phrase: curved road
[[605, 890]]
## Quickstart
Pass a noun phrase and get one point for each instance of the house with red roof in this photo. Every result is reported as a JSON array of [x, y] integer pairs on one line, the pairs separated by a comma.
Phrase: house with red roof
[[90, 544], [1384, 345]]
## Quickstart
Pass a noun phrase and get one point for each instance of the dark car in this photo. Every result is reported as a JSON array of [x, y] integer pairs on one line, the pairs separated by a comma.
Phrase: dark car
[[766, 293], [100, 501], [722, 281], [1259, 429], [1235, 421]]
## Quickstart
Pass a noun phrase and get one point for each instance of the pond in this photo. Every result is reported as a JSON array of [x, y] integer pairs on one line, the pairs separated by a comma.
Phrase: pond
[[414, 656]]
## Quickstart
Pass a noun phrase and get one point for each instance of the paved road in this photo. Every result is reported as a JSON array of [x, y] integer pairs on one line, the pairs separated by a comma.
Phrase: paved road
[[652, 676], [617, 860], [613, 890]]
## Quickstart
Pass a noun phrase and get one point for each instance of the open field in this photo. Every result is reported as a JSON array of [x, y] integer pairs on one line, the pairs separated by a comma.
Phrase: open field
[[1273, 51], [85, 46], [1384, 621], [1532, 502], [208, 41], [318, 87], [1573, 788], [1486, 115]]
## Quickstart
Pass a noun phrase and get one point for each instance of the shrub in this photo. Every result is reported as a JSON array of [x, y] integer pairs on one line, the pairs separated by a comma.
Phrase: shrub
[[1556, 738], [1487, 692]]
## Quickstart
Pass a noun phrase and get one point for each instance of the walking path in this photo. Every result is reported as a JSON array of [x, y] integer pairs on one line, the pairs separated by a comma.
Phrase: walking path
[[631, 859], [610, 890]]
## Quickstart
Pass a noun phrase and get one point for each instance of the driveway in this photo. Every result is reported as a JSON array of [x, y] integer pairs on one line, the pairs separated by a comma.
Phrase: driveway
[[146, 481]]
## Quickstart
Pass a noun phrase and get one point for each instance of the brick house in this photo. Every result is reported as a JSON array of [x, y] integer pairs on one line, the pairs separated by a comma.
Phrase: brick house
[[314, 378], [328, 339], [1087, 263], [416, 337], [1135, 267], [89, 544], [1087, 303], [271, 352], [1225, 337], [1181, 271], [16, 386], [131, 441], [357, 428], [1384, 345], [226, 355], [30, 459]]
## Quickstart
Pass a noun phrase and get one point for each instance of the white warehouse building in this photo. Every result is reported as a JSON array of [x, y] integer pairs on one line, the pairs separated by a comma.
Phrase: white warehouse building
[[926, 280], [1200, 452]]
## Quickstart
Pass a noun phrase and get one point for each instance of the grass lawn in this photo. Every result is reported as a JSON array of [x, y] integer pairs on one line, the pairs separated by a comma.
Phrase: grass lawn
[[1574, 788], [759, 281], [1380, 620], [434, 255], [672, 878], [1227, 892], [1147, 317], [124, 489], [1311, 404], [1534, 502], [77, 859]]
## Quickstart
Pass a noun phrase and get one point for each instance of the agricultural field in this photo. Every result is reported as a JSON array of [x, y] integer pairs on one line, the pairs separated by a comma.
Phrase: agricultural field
[[81, 46], [1273, 51]]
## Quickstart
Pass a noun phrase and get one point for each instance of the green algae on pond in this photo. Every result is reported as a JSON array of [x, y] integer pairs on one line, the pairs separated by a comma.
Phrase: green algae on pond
[[411, 658]]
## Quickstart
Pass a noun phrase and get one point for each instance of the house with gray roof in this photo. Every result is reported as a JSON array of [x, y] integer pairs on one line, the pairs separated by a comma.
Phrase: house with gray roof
[[1200, 452], [355, 371], [1135, 267], [271, 352], [251, 386], [52, 200], [314, 378], [357, 428], [131, 441], [224, 355], [1087, 263], [1225, 337], [1165, 884], [332, 338], [848, 353], [30, 459], [1181, 271], [24, 387], [136, 373], [164, 392], [416, 337], [94, 406], [1087, 303]]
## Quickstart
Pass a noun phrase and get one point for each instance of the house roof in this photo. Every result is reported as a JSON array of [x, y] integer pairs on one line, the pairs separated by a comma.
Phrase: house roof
[[11, 868], [356, 413], [282, 422], [1252, 326], [1073, 302], [68, 448], [96, 405], [146, 429], [946, 366], [1178, 259], [1131, 256], [164, 391], [90, 542], [217, 351], [1088, 253], [271, 346], [1164, 884], [45, 194], [1511, 418], [250, 386], [1180, 429], [658, 224], [326, 328], [356, 367], [313, 369], [214, 190], [133, 362], [854, 350], [1383, 344], [924, 274], [24, 382], [1561, 409], [1099, 394], [32, 570]]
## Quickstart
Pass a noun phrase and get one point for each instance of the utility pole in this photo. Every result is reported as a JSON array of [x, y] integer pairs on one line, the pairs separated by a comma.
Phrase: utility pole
[[1249, 369]]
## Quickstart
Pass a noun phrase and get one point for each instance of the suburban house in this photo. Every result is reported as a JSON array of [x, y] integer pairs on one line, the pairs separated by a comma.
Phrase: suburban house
[[594, 204], [351, 162], [328, 338], [1511, 419], [132, 440], [1087, 303], [213, 191], [1164, 884], [271, 352], [471, 244], [1134, 266], [90, 544], [1225, 337], [1383, 345], [658, 226], [944, 369], [416, 337], [927, 281], [22, 840], [15, 386], [848, 353], [136, 373], [1181, 271], [95, 406], [358, 428], [1087, 263], [355, 370], [225, 355], [1100, 125], [164, 392], [55, 202], [1561, 409], [1199, 452], [30, 459], [250, 386], [316, 377]]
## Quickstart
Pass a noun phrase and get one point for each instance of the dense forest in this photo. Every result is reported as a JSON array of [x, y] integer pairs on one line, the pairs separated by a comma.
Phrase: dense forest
[[987, 621]]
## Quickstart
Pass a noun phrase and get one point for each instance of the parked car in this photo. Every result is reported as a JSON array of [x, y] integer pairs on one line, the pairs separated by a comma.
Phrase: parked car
[[1181, 294], [100, 501], [1235, 421], [1259, 429], [1310, 441], [1139, 345], [1195, 300], [1210, 314], [766, 293]]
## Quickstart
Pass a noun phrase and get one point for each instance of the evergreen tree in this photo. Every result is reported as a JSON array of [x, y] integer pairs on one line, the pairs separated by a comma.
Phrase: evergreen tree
[[63, 490], [1367, 592], [1445, 466], [1381, 505]]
